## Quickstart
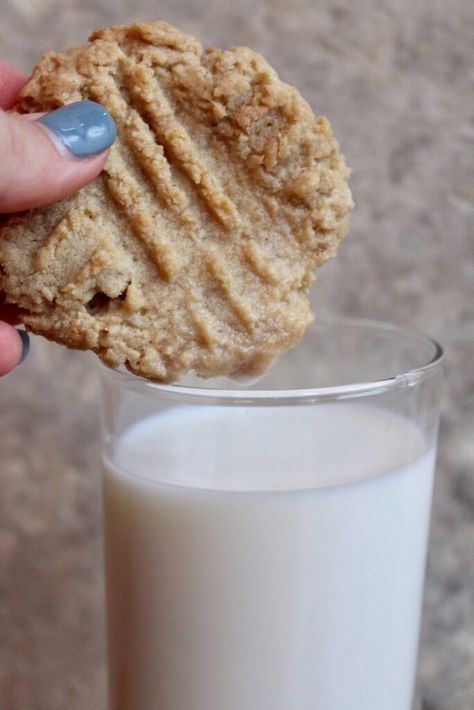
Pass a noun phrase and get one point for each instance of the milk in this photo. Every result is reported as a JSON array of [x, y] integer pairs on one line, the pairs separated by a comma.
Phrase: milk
[[266, 559]]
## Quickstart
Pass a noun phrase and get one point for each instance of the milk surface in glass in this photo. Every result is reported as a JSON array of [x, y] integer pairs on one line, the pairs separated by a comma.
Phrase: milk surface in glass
[[257, 577]]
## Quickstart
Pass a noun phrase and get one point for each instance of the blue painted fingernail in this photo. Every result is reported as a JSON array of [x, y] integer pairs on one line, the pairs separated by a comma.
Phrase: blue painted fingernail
[[25, 340], [85, 128]]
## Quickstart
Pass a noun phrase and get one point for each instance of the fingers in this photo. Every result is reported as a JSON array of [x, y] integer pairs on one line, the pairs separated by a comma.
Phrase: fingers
[[11, 81], [14, 347], [50, 158]]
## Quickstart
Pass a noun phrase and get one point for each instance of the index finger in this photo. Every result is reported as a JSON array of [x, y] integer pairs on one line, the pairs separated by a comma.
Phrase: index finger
[[11, 81]]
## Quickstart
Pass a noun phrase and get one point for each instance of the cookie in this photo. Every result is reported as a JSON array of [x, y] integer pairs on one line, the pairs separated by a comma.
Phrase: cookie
[[195, 247]]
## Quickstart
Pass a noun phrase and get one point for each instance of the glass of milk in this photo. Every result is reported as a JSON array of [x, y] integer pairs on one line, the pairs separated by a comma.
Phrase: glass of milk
[[265, 544]]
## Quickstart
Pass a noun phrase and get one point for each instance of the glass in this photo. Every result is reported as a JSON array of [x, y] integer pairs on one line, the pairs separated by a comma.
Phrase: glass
[[265, 546]]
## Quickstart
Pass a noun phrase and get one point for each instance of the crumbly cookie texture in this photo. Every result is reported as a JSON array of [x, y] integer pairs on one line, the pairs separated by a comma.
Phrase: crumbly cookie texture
[[195, 247]]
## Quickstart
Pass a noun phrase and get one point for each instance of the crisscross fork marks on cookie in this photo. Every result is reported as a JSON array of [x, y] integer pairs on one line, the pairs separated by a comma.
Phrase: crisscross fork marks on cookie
[[137, 134], [143, 217], [146, 92], [219, 270], [54, 256]]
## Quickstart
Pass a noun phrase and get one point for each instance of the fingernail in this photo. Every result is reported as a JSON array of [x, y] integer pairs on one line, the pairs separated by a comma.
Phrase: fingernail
[[25, 340], [85, 128]]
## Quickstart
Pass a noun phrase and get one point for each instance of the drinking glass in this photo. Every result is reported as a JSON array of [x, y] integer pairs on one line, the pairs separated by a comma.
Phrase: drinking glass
[[265, 544]]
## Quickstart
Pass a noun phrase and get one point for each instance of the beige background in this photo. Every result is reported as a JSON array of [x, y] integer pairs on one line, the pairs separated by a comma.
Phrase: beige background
[[396, 79]]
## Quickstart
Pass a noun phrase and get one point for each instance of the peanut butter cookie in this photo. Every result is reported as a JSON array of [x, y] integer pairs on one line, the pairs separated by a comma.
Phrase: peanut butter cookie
[[195, 247]]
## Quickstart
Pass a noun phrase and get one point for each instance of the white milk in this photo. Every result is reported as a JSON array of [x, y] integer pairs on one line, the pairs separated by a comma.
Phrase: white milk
[[258, 559]]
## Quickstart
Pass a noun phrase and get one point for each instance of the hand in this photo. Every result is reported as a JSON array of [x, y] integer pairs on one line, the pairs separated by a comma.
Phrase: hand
[[44, 158]]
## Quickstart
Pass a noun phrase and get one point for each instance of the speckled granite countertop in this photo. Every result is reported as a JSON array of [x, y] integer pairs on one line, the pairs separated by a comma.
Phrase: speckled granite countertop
[[395, 78]]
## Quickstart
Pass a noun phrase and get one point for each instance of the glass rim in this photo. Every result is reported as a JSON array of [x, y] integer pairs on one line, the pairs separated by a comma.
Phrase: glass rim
[[239, 395]]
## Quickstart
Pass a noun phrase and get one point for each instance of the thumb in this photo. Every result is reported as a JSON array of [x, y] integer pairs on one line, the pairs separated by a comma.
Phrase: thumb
[[45, 158], [14, 346]]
